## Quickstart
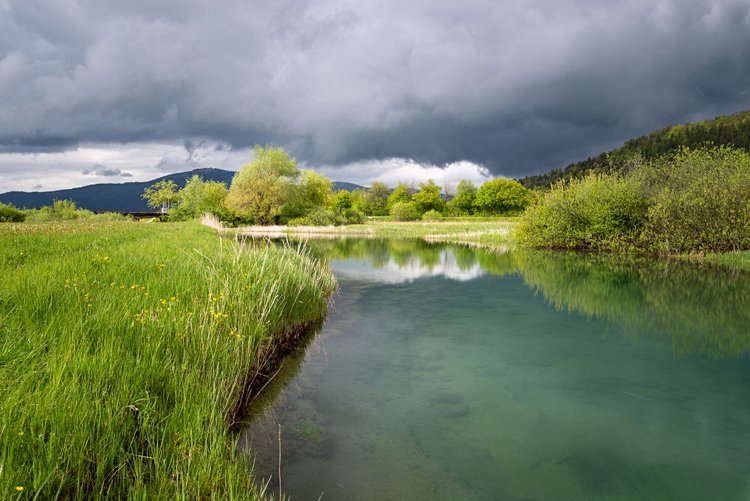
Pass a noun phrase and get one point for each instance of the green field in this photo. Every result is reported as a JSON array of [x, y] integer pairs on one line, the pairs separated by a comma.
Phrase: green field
[[127, 351]]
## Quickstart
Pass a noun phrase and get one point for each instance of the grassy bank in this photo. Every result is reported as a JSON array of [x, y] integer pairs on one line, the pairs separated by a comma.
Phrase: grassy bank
[[734, 260], [126, 349]]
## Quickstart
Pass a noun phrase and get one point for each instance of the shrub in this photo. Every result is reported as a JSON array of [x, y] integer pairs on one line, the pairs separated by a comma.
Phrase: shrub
[[432, 215], [700, 201], [689, 201], [352, 216], [404, 211], [325, 217], [597, 212], [59, 210], [9, 214]]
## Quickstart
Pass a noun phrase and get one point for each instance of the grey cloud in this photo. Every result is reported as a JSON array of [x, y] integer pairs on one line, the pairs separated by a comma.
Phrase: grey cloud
[[104, 171], [517, 86]]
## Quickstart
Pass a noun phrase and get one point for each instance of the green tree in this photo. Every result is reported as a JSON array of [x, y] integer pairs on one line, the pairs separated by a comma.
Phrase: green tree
[[401, 193], [198, 197], [466, 194], [311, 191], [377, 195], [501, 196], [261, 188], [342, 200], [361, 202], [428, 197], [162, 194]]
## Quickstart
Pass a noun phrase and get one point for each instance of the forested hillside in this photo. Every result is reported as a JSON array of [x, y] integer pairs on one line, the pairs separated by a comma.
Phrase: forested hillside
[[733, 130]]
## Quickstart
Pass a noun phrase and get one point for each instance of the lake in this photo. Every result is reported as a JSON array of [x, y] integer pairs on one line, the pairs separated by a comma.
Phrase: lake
[[444, 372]]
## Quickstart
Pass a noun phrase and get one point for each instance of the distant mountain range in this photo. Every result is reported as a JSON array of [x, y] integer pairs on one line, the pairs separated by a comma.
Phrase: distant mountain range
[[731, 130], [121, 197]]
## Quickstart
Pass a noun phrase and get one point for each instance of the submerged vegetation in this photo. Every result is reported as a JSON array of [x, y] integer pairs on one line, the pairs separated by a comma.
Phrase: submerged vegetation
[[124, 364]]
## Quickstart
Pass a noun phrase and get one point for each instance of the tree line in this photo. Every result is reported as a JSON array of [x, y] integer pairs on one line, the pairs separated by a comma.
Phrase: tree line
[[272, 190], [731, 130]]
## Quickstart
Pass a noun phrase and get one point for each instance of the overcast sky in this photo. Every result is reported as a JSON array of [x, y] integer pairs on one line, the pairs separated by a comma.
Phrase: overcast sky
[[121, 90]]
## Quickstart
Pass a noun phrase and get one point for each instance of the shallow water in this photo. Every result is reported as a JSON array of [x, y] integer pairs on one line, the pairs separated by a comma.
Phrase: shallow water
[[448, 373]]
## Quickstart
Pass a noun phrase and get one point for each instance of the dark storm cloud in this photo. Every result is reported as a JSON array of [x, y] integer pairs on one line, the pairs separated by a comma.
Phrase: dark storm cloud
[[517, 86], [104, 171]]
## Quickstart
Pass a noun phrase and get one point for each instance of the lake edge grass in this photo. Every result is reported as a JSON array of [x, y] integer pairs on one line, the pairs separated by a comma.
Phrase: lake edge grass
[[127, 350]]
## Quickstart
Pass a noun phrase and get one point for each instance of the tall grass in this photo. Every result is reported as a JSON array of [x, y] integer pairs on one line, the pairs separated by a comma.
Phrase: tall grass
[[126, 351]]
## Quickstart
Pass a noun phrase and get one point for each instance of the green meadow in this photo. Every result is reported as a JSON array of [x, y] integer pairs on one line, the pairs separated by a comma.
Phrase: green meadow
[[128, 352]]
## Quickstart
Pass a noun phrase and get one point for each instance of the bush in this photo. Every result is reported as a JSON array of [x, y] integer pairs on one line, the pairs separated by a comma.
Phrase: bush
[[501, 196], [352, 216], [9, 214], [404, 211], [325, 217], [689, 201], [432, 215], [60, 210], [597, 212], [700, 201]]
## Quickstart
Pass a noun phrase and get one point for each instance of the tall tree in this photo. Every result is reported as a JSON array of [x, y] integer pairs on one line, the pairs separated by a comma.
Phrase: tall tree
[[401, 193], [199, 196], [428, 197], [162, 194], [377, 195], [261, 188], [466, 193]]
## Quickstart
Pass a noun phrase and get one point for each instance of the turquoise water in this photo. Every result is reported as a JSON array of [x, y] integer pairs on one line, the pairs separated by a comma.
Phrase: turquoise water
[[448, 373]]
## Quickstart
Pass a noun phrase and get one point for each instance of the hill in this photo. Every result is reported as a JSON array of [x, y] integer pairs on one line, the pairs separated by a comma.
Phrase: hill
[[731, 130], [120, 197]]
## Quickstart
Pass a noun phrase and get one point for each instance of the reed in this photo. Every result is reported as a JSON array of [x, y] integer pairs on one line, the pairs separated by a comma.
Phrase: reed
[[126, 350]]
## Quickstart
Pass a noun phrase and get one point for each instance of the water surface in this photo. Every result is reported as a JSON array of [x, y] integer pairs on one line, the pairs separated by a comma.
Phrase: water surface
[[448, 373]]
